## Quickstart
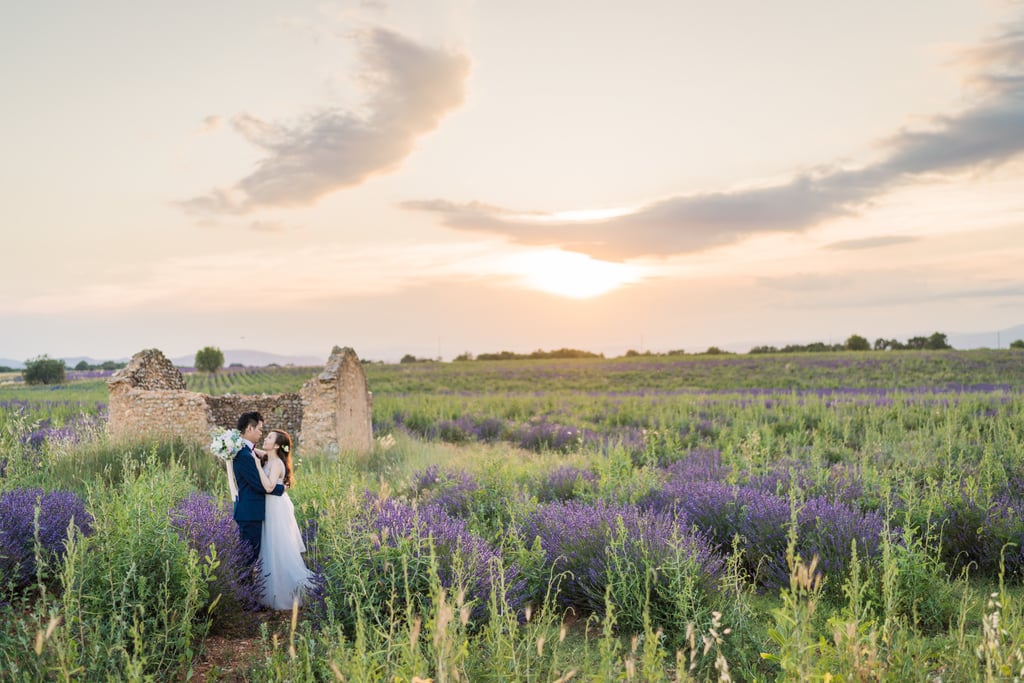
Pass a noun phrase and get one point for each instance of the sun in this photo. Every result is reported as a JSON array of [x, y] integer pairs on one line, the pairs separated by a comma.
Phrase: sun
[[572, 275]]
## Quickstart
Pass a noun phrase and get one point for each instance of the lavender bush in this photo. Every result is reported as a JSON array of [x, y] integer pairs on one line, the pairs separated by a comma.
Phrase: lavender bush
[[565, 483], [644, 558], [138, 592], [976, 536], [210, 530], [382, 566], [452, 491], [760, 521], [57, 511]]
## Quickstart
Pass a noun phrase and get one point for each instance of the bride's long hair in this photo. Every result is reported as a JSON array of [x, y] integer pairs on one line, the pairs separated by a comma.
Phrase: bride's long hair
[[284, 451]]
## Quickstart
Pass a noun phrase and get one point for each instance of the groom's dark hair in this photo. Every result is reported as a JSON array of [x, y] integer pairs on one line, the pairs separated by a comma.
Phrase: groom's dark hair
[[250, 419]]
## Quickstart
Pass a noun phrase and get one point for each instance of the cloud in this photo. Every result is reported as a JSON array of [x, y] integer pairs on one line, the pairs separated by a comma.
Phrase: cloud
[[412, 88], [267, 226], [886, 289], [986, 134], [671, 226], [870, 242], [210, 124]]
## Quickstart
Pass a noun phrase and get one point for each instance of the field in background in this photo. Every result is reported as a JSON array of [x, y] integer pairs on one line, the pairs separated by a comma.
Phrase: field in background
[[854, 515]]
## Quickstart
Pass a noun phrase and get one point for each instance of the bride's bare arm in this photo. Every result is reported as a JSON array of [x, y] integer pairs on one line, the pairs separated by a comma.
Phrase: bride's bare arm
[[268, 483], [276, 471]]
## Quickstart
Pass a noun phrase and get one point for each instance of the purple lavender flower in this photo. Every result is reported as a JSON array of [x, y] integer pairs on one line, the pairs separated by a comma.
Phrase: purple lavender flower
[[579, 540], [453, 491], [463, 559], [541, 435], [760, 521], [205, 525], [978, 535], [828, 530], [57, 510], [563, 483]]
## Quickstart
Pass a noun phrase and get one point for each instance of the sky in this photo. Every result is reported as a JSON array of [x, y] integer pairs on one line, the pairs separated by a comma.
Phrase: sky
[[432, 177]]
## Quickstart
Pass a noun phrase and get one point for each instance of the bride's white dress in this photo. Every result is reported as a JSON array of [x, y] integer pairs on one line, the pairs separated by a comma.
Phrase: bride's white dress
[[284, 571]]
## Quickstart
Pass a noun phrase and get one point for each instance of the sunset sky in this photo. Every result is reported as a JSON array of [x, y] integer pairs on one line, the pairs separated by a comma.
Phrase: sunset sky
[[433, 177]]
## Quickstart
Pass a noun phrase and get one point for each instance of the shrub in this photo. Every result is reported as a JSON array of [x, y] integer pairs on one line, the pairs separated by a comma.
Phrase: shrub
[[133, 591], [828, 530], [565, 483], [760, 522], [452, 491], [543, 436], [210, 530], [380, 567], [974, 535], [642, 559], [56, 511], [757, 519]]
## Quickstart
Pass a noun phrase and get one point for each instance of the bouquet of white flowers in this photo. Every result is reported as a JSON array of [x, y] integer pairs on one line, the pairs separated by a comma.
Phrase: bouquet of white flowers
[[226, 444]]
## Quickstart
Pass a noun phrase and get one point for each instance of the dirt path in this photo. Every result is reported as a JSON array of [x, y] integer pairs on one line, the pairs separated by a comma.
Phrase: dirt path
[[228, 655]]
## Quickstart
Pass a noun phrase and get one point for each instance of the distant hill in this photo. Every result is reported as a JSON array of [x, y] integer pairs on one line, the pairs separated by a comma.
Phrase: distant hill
[[245, 357], [989, 340], [250, 358]]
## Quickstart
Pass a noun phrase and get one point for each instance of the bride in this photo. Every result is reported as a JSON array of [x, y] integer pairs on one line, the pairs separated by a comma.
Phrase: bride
[[286, 575]]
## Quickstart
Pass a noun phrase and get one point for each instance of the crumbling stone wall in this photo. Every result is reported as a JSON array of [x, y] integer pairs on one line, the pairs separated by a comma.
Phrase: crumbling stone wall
[[331, 413], [280, 411], [337, 405]]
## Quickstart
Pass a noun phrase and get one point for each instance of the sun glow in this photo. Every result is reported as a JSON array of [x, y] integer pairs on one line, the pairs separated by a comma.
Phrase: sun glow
[[572, 275]]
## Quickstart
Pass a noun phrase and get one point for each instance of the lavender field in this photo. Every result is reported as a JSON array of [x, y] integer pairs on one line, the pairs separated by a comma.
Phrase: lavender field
[[832, 516]]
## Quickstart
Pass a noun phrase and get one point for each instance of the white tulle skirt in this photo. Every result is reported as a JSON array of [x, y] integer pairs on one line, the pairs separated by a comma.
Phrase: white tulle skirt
[[284, 571]]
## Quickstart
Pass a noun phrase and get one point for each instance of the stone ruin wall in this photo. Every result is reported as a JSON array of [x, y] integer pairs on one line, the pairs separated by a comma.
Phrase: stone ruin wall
[[331, 413], [337, 407], [279, 411]]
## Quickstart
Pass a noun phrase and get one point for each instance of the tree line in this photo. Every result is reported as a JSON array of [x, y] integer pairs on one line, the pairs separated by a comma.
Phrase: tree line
[[46, 370], [855, 342]]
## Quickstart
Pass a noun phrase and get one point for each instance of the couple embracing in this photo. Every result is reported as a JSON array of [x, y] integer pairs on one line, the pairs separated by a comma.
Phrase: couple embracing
[[265, 514]]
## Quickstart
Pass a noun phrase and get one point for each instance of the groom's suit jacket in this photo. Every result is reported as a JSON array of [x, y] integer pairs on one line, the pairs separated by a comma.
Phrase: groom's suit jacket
[[251, 504]]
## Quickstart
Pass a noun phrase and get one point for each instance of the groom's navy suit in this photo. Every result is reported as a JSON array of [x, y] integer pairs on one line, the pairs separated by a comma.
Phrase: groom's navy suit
[[250, 508]]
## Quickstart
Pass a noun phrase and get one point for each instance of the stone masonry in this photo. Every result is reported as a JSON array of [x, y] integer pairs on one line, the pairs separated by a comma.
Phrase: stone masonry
[[329, 414]]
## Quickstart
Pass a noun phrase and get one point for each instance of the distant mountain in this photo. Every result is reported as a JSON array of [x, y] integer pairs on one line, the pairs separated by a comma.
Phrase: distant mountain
[[250, 358], [986, 340], [245, 357], [69, 361]]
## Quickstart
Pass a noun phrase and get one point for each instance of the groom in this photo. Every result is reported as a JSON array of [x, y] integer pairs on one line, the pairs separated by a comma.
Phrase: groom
[[251, 504]]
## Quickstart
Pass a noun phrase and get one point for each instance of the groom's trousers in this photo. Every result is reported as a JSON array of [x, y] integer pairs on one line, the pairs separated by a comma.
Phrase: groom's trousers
[[252, 534]]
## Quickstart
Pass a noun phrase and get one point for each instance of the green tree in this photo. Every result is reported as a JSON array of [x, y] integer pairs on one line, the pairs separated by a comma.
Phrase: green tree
[[82, 365], [937, 341], [857, 343], [1018, 344], [408, 358], [209, 359], [44, 370]]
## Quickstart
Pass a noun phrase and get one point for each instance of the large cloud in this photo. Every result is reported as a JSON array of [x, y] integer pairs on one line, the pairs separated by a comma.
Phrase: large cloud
[[984, 135], [413, 88]]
